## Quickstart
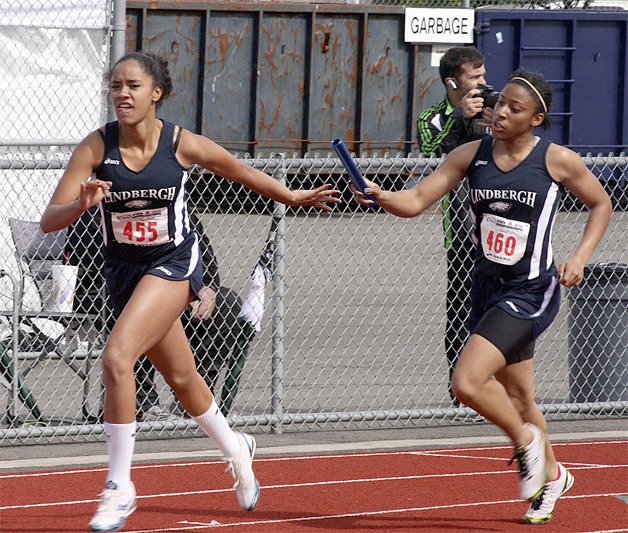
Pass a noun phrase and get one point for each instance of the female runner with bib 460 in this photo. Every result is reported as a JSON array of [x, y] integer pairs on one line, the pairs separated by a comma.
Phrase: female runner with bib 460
[[152, 263], [515, 183]]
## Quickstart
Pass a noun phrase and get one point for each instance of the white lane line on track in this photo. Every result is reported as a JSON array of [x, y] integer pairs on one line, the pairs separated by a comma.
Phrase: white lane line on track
[[52, 462], [295, 486], [571, 464], [605, 531], [250, 523]]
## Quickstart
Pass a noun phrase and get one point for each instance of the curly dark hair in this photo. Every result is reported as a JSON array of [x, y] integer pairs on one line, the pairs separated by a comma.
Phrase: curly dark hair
[[155, 66]]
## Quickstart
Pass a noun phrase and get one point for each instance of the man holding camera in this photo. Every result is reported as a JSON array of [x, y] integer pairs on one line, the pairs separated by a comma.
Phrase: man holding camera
[[463, 115]]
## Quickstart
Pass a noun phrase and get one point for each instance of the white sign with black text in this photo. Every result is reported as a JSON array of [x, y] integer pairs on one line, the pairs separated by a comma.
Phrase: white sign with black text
[[444, 25]]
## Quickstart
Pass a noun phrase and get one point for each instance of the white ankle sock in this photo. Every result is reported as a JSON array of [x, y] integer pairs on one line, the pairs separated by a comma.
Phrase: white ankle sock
[[120, 444], [215, 426]]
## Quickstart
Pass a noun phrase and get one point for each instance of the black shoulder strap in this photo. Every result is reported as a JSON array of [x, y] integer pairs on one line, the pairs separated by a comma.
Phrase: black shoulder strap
[[178, 137]]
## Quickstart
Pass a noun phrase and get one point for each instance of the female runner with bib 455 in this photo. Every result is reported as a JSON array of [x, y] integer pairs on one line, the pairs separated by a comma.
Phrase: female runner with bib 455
[[152, 263], [515, 180]]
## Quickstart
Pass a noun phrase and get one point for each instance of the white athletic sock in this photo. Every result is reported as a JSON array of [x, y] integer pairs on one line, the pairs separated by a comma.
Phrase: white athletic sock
[[215, 426], [120, 444]]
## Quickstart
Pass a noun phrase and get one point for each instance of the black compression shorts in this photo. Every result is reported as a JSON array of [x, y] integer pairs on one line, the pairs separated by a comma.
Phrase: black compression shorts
[[512, 336]]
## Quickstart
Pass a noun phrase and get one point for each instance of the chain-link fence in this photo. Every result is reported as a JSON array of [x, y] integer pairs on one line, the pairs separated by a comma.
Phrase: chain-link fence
[[322, 320], [52, 62], [351, 319]]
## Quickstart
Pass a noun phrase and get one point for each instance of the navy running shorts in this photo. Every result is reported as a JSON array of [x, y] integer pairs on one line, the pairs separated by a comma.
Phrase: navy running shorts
[[184, 262]]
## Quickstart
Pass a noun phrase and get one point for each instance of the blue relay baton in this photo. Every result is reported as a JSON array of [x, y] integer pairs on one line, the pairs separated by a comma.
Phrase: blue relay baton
[[352, 169]]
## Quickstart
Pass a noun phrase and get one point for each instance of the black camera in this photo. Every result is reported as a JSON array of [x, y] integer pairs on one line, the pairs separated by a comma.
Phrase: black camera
[[488, 93]]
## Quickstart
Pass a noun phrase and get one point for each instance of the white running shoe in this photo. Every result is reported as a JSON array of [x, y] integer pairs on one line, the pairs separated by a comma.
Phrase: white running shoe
[[241, 468], [156, 413], [542, 507], [531, 458], [115, 507]]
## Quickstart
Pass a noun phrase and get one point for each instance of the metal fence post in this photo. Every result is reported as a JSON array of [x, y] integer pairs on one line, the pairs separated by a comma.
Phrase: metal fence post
[[278, 312], [118, 43]]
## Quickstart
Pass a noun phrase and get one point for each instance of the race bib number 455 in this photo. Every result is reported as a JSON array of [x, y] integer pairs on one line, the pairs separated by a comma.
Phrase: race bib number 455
[[503, 241], [142, 228]]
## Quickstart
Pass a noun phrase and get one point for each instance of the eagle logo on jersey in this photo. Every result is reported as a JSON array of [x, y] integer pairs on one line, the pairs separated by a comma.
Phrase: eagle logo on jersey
[[500, 207], [137, 204]]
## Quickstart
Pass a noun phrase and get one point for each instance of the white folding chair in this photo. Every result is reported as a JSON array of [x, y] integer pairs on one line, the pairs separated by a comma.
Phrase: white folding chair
[[39, 332]]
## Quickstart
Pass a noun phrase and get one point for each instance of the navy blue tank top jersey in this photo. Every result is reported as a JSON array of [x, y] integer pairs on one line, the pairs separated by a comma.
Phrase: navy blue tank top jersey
[[144, 214], [514, 214]]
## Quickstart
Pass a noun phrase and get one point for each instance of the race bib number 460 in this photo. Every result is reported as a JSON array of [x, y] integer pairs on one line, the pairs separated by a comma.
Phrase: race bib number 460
[[142, 228], [503, 241]]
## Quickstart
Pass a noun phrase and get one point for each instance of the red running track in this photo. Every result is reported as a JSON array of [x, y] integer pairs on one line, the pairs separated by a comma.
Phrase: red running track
[[438, 490]]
